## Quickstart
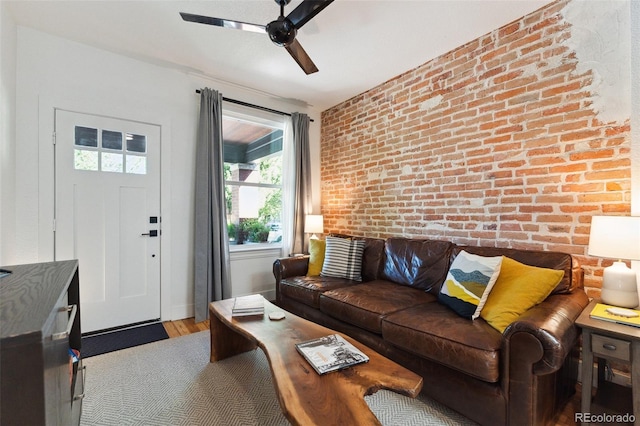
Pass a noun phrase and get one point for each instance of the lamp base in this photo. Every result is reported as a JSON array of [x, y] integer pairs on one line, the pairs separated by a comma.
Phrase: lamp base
[[619, 286]]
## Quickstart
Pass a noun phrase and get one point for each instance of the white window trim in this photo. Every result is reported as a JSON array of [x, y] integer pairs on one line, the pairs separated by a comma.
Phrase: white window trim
[[269, 119]]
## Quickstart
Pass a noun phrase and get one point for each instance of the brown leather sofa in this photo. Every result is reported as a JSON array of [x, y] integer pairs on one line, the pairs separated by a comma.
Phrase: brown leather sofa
[[522, 376]]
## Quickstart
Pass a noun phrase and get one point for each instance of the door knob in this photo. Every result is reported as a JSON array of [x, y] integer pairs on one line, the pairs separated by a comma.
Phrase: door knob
[[151, 233]]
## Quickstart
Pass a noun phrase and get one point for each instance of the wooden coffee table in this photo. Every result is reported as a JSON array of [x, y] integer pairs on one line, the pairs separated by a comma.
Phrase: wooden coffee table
[[305, 397]]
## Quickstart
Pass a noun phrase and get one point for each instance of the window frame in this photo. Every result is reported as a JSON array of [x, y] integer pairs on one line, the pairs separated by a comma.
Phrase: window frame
[[272, 120]]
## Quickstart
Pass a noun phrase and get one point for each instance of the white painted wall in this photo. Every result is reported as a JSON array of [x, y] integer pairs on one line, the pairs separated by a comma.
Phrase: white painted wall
[[635, 109], [8, 36], [601, 40], [57, 73], [635, 118]]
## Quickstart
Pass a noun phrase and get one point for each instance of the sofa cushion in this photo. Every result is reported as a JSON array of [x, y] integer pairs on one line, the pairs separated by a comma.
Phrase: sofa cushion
[[417, 263], [469, 282], [435, 332], [307, 290], [343, 258], [372, 258], [542, 259], [364, 305], [316, 257], [518, 289]]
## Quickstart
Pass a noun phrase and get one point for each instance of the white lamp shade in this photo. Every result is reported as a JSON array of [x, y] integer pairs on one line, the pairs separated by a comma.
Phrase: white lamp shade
[[615, 237], [314, 224]]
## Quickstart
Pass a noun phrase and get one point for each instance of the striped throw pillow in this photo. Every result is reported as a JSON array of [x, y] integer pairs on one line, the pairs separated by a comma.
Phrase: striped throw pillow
[[343, 258]]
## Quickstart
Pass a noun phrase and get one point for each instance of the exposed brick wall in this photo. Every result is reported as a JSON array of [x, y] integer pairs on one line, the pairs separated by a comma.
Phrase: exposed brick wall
[[492, 144]]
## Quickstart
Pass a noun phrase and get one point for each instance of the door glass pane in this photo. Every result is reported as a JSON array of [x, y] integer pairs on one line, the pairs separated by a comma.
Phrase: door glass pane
[[112, 162], [85, 159], [136, 143], [136, 164], [111, 140], [85, 136]]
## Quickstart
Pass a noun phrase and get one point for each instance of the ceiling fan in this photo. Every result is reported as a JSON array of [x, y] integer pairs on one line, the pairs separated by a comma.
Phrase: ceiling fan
[[282, 31]]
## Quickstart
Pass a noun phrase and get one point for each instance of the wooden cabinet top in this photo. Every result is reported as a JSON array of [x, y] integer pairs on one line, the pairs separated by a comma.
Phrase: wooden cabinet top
[[29, 294]]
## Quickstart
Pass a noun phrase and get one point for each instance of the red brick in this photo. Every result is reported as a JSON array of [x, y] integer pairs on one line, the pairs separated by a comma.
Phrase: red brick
[[618, 163], [580, 135], [571, 87], [510, 93]]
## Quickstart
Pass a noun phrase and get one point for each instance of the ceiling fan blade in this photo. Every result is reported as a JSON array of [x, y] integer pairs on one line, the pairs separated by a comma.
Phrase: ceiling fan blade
[[306, 11], [226, 23], [301, 57]]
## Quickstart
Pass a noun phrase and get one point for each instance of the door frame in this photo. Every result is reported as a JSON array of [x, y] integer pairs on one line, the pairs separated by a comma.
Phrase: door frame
[[149, 114]]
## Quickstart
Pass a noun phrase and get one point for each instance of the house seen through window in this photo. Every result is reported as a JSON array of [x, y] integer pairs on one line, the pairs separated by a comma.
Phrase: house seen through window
[[253, 180]]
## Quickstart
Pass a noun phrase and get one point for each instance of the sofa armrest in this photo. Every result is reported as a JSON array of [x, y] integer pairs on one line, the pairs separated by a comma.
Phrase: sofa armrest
[[535, 346], [290, 267], [551, 324], [286, 267]]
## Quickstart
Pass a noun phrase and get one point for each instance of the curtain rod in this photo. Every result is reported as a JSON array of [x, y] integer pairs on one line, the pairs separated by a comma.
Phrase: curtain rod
[[247, 104]]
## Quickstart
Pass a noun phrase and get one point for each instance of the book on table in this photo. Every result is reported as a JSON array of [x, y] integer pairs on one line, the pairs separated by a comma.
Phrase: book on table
[[615, 314], [248, 306], [330, 353]]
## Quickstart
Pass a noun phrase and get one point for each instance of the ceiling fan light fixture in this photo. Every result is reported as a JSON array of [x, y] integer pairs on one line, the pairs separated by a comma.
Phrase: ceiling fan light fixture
[[282, 32]]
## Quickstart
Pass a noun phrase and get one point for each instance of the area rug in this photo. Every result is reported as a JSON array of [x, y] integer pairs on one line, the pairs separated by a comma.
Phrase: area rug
[[172, 382], [122, 339]]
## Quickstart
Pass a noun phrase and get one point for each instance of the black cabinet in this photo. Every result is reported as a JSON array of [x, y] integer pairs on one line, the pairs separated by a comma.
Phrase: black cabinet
[[39, 329]]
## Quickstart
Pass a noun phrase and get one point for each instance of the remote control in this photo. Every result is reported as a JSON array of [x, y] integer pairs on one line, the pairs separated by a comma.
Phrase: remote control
[[627, 313]]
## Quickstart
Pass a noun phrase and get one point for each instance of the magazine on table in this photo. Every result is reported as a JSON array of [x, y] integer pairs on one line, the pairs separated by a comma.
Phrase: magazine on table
[[248, 305], [615, 314], [330, 353]]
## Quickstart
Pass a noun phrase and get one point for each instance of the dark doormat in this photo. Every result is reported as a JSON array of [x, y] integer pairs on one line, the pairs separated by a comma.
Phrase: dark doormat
[[122, 339]]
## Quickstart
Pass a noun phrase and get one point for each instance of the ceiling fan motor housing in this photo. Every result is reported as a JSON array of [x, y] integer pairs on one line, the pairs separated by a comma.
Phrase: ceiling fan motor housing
[[282, 32]]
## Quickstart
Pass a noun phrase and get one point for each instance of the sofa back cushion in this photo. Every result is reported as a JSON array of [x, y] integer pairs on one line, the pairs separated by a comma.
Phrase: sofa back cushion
[[417, 263], [372, 256], [543, 259]]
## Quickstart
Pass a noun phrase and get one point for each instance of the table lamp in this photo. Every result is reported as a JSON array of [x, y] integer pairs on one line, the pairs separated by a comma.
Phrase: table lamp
[[617, 237], [314, 223]]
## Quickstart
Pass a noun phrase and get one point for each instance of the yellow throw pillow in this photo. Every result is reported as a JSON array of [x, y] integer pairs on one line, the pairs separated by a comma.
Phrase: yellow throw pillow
[[316, 258], [519, 288]]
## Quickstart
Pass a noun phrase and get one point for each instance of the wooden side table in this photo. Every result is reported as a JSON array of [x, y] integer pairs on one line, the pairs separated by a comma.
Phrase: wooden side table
[[608, 340]]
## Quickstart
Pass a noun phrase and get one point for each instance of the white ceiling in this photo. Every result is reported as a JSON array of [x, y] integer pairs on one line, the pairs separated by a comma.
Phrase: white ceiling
[[356, 44]]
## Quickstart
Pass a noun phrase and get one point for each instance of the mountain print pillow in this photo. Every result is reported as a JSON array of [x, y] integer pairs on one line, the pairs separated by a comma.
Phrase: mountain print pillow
[[469, 282]]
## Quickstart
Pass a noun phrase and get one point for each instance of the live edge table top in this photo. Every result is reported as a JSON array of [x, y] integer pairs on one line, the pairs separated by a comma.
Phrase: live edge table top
[[307, 398]]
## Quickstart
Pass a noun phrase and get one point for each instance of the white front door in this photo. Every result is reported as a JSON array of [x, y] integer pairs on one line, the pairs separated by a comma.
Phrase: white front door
[[107, 215]]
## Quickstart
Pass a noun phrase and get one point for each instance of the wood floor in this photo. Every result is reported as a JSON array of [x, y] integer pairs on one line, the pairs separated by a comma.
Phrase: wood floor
[[188, 326], [184, 327]]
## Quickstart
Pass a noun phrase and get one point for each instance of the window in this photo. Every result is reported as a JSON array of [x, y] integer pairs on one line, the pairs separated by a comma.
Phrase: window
[[253, 179], [107, 151]]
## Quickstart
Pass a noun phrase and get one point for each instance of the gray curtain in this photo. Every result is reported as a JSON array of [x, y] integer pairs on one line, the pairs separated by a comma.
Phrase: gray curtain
[[302, 189], [211, 254]]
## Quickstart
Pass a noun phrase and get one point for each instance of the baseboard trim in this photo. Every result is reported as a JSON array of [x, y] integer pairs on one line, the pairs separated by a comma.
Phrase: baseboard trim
[[120, 327]]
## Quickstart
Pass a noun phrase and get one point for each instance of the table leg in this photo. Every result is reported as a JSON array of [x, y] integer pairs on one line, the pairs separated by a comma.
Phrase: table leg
[[587, 371], [224, 341], [635, 379]]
